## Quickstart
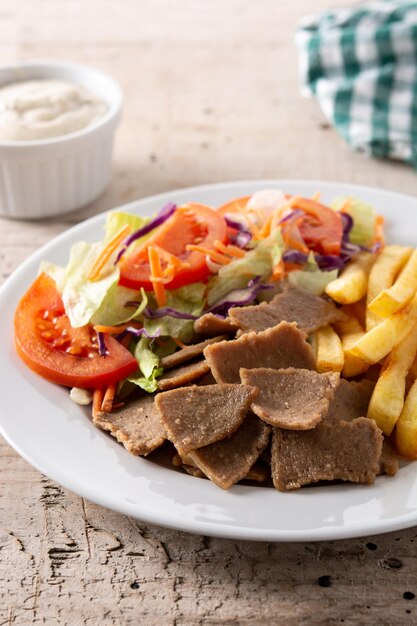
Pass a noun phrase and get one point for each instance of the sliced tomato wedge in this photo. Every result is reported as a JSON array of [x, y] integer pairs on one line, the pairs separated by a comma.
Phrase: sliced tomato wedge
[[322, 229], [68, 356], [191, 224], [238, 205]]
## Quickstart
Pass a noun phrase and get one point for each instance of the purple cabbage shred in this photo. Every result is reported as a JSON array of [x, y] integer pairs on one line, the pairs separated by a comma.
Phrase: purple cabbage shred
[[102, 349], [163, 311], [238, 297], [137, 332], [243, 236], [159, 219]]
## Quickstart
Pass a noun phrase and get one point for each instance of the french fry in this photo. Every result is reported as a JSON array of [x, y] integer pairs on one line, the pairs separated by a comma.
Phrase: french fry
[[388, 396], [359, 311], [388, 264], [413, 369], [391, 300], [380, 340], [352, 283], [350, 332], [328, 349], [406, 430]]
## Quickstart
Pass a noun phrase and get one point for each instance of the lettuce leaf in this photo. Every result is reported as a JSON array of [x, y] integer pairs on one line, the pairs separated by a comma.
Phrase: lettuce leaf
[[188, 299], [113, 309], [149, 368], [56, 272], [236, 275], [115, 220], [81, 296], [363, 215], [312, 278]]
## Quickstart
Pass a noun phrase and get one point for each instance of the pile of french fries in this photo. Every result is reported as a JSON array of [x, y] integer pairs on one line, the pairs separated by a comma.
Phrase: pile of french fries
[[379, 296]]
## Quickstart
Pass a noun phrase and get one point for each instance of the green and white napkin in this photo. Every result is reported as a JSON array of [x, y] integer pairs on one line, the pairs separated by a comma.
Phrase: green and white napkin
[[361, 65]]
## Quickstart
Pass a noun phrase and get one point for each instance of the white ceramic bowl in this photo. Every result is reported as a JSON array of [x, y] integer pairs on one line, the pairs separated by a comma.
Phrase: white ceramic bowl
[[48, 177]]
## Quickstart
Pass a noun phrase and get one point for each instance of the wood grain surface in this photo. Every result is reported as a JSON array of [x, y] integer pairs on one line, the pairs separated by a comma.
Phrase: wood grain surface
[[211, 94]]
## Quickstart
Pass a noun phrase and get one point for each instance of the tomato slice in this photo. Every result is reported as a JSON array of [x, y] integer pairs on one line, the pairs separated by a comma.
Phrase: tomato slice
[[322, 229], [191, 224], [68, 356], [238, 205]]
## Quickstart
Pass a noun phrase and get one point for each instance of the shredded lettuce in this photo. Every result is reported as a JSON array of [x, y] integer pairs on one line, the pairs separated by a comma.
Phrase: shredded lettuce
[[188, 299], [259, 262], [311, 277], [81, 296], [149, 370], [115, 221], [56, 272], [363, 215], [113, 309]]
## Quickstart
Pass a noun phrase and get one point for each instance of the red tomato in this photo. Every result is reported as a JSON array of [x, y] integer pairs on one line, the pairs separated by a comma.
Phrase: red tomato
[[238, 205], [68, 356], [322, 230], [190, 224]]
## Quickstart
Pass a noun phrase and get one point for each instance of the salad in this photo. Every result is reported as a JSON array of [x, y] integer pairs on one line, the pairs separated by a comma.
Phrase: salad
[[120, 305]]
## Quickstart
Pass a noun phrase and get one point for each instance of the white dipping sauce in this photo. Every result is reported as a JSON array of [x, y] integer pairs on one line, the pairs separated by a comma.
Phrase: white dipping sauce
[[40, 109]]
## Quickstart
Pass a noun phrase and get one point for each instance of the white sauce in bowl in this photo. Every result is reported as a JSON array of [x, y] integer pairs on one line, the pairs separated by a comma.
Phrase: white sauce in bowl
[[40, 109]]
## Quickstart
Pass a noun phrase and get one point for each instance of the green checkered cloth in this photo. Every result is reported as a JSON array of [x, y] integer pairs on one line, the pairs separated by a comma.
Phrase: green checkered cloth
[[361, 65]]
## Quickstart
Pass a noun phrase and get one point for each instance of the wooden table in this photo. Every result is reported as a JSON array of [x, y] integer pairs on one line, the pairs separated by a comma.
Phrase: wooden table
[[211, 95]]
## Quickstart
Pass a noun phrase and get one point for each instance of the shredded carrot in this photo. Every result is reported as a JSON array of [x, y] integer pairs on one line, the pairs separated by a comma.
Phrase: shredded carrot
[[118, 405], [291, 267], [230, 249], [114, 330], [277, 215], [98, 395], [266, 228], [235, 251], [292, 237], [379, 236], [179, 343], [155, 274], [107, 404], [345, 206], [316, 197], [256, 233], [167, 275], [278, 271], [106, 253], [217, 257], [171, 259]]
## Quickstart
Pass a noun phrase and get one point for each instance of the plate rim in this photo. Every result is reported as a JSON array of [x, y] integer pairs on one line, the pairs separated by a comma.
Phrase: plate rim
[[192, 525]]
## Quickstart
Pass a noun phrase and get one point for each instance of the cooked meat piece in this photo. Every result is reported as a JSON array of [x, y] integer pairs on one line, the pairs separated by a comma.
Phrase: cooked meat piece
[[193, 471], [197, 416], [351, 400], [292, 305], [228, 461], [186, 354], [291, 398], [137, 425], [210, 325], [207, 379], [182, 375], [388, 463], [337, 450], [279, 347], [259, 472], [266, 295]]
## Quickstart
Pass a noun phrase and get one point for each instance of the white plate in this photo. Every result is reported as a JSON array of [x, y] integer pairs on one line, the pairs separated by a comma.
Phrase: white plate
[[56, 436]]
